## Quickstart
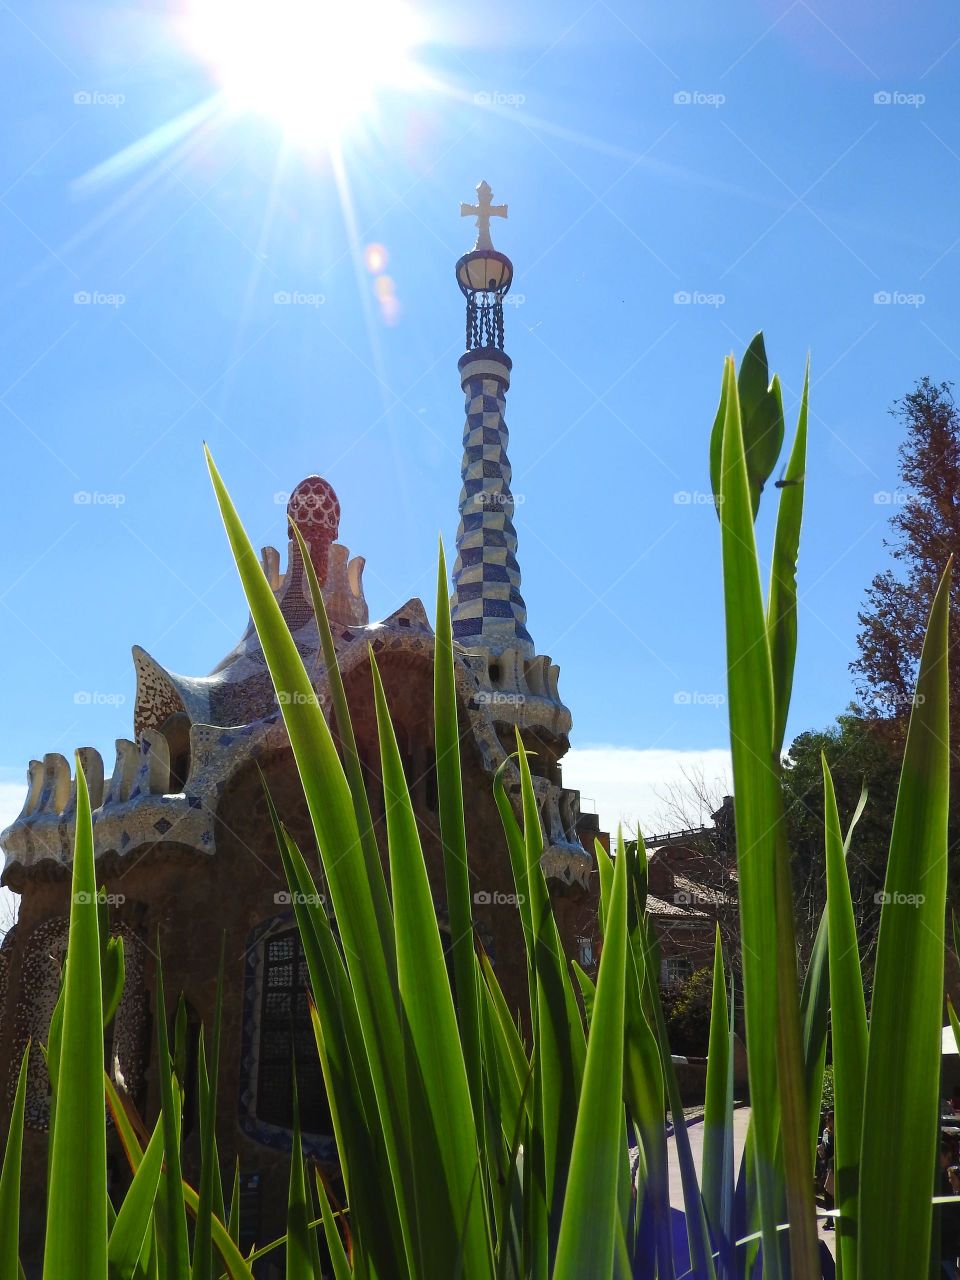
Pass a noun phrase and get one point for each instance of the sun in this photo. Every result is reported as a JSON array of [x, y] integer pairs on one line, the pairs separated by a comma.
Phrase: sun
[[315, 67]]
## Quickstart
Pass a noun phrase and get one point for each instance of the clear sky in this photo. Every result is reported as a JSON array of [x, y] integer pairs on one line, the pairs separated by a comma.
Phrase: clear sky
[[778, 164]]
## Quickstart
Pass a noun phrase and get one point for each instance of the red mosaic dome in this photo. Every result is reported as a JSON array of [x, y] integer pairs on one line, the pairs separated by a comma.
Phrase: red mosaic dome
[[313, 506], [315, 509]]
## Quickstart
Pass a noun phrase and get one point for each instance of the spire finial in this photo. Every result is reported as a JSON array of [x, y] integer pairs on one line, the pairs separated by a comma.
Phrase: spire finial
[[484, 275], [483, 211]]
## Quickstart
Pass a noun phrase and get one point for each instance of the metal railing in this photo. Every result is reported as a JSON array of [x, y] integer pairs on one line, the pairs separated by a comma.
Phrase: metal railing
[[685, 833]]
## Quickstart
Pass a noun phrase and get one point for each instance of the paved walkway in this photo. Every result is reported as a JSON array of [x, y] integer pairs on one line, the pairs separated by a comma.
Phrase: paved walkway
[[741, 1120]]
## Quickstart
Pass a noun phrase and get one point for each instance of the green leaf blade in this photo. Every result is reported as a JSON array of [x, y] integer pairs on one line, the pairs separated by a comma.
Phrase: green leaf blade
[[756, 796], [447, 1172], [173, 1227], [129, 1233], [849, 1024], [590, 1206], [10, 1179], [903, 1056], [76, 1238], [453, 834], [782, 602], [717, 1123]]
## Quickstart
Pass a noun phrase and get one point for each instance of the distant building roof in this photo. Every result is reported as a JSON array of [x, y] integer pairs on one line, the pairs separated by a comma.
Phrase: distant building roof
[[675, 910]]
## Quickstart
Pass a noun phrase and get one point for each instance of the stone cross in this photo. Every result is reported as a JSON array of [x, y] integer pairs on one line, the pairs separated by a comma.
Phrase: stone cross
[[483, 211]]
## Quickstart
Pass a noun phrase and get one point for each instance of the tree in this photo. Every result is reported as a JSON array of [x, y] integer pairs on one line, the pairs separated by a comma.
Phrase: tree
[[688, 1015], [926, 532], [9, 910], [861, 752], [692, 800]]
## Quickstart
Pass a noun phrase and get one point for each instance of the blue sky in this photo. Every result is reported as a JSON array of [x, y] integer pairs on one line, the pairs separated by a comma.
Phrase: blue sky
[[779, 163]]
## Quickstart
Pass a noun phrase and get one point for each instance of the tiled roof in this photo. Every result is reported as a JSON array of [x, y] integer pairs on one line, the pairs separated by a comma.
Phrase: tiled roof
[[705, 895], [662, 907], [690, 899]]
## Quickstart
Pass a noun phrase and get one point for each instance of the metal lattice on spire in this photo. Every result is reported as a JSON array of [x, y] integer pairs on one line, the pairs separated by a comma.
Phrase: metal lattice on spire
[[484, 275]]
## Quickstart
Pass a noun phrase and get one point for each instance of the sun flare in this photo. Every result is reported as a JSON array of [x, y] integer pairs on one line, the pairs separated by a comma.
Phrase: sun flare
[[316, 67]]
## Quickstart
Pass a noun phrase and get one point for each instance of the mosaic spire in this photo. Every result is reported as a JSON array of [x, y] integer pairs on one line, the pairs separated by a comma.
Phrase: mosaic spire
[[487, 608]]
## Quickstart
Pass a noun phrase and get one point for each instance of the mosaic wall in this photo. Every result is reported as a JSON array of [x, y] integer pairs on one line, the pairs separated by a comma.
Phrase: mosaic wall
[[6, 955], [43, 956], [131, 1041]]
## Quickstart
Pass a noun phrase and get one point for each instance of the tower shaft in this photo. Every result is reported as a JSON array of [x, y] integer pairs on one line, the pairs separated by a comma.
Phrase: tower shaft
[[487, 608]]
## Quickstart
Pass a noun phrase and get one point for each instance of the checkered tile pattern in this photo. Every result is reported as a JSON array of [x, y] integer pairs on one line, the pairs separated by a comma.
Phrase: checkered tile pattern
[[487, 606]]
